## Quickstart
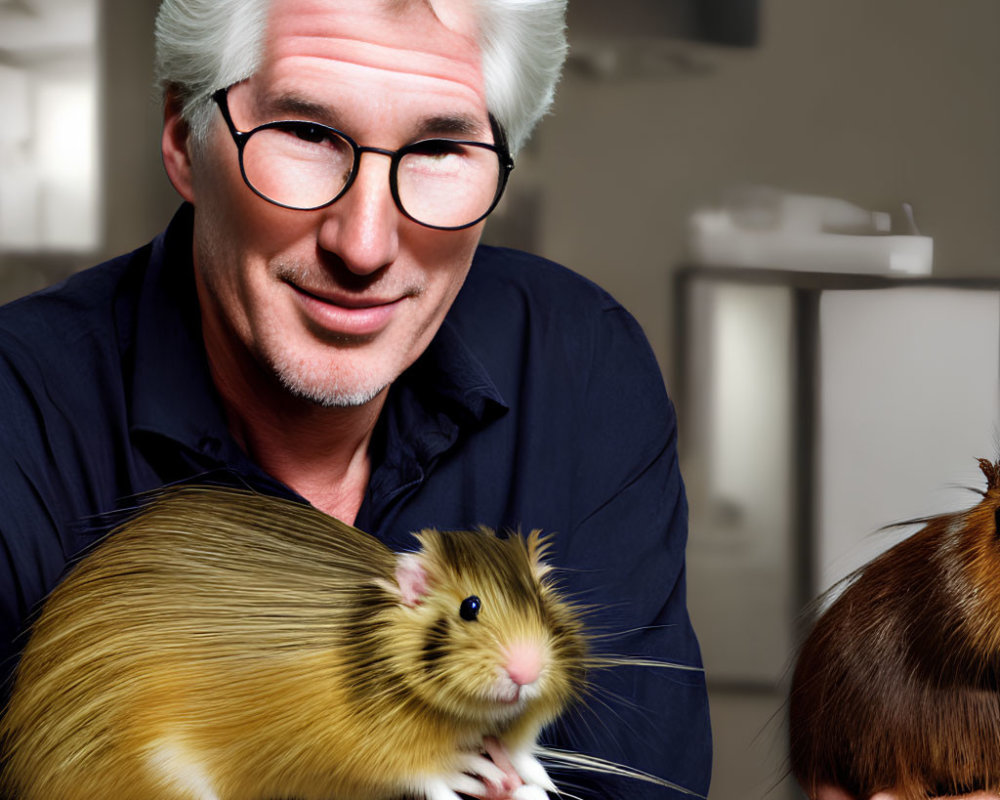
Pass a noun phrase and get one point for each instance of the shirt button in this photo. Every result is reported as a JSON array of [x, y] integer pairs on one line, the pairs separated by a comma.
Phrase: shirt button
[[209, 445]]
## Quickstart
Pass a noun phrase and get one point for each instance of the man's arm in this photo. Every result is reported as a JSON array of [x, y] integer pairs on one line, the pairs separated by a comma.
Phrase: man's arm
[[627, 550], [31, 559], [48, 460]]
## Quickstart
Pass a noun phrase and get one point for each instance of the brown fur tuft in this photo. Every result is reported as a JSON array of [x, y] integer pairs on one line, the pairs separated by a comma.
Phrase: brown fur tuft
[[898, 685]]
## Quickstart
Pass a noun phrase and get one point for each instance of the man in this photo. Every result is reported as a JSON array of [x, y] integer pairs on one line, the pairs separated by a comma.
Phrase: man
[[318, 323]]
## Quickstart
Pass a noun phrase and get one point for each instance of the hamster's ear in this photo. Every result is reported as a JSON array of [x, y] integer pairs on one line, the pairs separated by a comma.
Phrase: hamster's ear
[[538, 548], [992, 472], [411, 578]]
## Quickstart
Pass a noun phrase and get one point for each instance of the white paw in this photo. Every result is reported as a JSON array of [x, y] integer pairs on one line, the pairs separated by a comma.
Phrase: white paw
[[530, 792], [482, 767], [445, 787], [531, 771]]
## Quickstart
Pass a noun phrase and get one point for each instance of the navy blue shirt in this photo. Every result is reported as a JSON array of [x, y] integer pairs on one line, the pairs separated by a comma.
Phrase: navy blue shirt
[[537, 405]]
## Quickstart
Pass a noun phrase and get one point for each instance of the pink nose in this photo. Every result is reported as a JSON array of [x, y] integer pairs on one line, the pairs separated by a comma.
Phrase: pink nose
[[524, 663]]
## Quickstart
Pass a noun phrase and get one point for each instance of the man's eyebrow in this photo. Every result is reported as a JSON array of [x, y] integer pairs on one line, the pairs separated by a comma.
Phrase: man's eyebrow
[[287, 106], [460, 126]]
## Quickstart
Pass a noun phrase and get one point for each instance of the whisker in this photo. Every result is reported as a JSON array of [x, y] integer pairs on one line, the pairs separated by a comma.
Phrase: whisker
[[565, 758]]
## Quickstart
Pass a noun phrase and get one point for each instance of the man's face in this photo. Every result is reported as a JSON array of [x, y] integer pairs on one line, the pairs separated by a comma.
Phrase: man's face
[[337, 302]]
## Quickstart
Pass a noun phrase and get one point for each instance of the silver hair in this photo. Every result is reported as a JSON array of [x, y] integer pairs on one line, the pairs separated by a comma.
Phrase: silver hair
[[205, 45]]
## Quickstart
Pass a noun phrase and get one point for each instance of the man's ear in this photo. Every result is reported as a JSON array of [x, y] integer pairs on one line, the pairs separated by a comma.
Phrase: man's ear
[[175, 145]]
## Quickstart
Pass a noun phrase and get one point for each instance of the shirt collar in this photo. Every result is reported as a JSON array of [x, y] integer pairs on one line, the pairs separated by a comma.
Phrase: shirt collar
[[452, 372], [445, 394], [172, 390]]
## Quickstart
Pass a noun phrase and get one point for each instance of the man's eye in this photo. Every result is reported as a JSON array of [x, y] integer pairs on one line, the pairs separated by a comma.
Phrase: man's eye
[[310, 133], [437, 148]]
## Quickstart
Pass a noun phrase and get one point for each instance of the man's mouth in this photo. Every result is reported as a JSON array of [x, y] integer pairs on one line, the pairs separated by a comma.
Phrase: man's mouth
[[344, 314]]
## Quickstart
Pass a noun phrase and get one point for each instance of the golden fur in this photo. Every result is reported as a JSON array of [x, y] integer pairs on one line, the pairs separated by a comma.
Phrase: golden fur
[[225, 644]]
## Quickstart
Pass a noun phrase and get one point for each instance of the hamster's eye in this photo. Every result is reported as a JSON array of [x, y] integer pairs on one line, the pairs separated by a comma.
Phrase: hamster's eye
[[469, 609]]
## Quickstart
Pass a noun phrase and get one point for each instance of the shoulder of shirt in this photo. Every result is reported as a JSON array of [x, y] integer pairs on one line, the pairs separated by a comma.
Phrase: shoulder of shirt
[[548, 335], [73, 325], [501, 275], [79, 302], [517, 308]]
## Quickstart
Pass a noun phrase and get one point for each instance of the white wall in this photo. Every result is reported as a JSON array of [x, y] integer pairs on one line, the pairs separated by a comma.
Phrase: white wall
[[874, 101]]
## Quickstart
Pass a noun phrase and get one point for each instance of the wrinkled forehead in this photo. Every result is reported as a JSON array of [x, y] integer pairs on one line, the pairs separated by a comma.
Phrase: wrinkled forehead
[[430, 39]]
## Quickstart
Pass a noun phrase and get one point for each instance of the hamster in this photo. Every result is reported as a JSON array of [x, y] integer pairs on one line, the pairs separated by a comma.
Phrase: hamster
[[224, 645], [897, 687]]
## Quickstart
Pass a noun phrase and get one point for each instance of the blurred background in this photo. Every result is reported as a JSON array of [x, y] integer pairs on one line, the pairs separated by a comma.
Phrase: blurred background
[[714, 165]]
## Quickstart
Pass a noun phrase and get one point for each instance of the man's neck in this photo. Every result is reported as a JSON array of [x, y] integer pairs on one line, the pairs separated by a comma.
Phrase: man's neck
[[320, 452]]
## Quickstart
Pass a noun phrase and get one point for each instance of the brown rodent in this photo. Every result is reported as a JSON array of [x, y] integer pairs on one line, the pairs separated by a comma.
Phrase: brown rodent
[[897, 688], [225, 645]]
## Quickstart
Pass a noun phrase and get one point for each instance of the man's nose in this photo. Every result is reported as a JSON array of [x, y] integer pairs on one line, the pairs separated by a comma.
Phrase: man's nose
[[362, 227]]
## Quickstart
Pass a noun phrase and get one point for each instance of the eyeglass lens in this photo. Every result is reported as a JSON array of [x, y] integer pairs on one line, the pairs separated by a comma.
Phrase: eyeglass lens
[[439, 182]]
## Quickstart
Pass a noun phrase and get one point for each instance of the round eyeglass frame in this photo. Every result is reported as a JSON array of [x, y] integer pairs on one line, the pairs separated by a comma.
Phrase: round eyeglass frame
[[506, 163]]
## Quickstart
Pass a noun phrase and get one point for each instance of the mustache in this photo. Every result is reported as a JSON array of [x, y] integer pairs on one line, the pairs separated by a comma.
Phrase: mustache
[[339, 277]]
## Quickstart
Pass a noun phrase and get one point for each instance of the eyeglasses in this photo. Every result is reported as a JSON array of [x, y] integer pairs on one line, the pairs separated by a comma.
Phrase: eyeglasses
[[439, 183]]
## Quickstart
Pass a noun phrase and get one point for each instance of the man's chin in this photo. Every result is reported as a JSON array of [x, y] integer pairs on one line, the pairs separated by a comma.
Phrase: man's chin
[[322, 385], [332, 396]]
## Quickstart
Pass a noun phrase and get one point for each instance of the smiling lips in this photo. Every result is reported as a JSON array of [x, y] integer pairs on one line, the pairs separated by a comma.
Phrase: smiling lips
[[346, 315]]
